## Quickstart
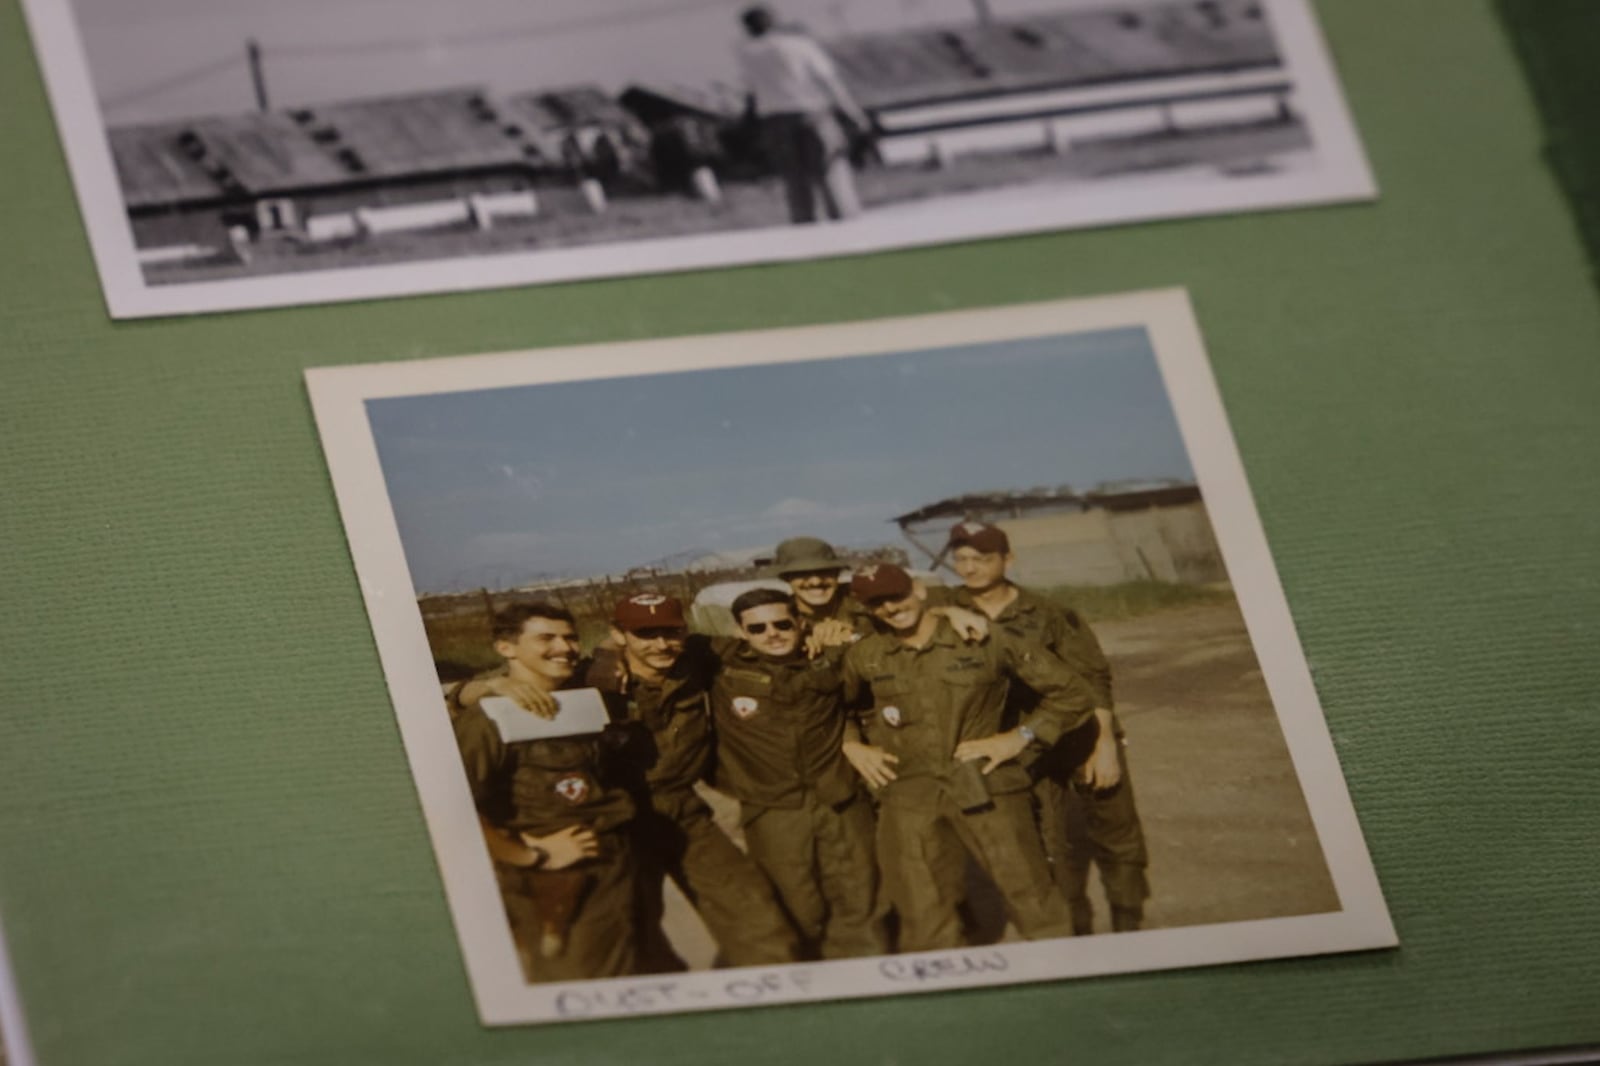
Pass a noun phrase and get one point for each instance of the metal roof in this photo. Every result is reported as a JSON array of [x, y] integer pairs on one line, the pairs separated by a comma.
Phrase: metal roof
[[176, 162], [1113, 496], [544, 119], [353, 141], [968, 60], [584, 105], [418, 133]]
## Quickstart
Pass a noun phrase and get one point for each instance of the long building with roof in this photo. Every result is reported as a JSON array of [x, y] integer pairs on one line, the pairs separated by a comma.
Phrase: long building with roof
[[1051, 77], [1120, 531], [189, 181], [459, 156]]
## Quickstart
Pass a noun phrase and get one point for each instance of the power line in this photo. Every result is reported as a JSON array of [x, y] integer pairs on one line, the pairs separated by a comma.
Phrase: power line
[[140, 93], [479, 38]]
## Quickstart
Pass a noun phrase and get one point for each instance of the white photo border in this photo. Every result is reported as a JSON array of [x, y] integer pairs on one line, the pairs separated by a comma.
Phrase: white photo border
[[15, 1047], [339, 396], [1342, 175]]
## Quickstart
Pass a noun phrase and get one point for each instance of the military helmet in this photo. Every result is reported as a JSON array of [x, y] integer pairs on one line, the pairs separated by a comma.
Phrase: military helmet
[[805, 555]]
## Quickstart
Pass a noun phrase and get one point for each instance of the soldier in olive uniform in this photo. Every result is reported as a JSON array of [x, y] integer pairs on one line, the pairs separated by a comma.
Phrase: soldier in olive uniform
[[658, 686], [807, 821], [812, 568], [936, 714], [554, 822], [1087, 812]]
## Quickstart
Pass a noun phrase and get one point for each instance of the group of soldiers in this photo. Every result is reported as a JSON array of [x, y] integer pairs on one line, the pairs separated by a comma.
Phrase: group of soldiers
[[879, 736]]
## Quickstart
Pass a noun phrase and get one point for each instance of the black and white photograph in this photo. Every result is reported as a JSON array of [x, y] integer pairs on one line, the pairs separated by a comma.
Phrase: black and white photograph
[[231, 154], [844, 661]]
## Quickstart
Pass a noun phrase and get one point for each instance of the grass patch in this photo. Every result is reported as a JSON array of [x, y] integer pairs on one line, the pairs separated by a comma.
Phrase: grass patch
[[1104, 603]]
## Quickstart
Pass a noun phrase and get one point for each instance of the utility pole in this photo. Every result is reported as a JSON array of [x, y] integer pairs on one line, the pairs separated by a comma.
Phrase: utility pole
[[985, 16], [258, 76]]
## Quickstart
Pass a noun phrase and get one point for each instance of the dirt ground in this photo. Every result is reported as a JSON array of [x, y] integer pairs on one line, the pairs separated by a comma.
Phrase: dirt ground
[[1225, 820]]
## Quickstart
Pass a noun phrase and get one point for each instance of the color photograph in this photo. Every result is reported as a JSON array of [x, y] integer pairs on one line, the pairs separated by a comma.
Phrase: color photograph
[[848, 661], [231, 154]]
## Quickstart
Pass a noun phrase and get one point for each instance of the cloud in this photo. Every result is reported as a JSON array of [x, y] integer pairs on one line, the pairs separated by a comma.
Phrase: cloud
[[527, 482], [792, 508]]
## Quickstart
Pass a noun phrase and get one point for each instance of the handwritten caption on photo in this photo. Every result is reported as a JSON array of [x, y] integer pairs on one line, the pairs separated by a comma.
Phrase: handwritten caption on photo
[[745, 988]]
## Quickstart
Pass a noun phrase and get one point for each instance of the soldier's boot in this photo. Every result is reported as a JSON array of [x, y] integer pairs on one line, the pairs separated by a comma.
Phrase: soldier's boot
[[1082, 916], [1126, 890]]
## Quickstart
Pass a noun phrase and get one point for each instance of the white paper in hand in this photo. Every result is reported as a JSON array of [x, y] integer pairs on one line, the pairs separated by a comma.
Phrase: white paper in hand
[[582, 711]]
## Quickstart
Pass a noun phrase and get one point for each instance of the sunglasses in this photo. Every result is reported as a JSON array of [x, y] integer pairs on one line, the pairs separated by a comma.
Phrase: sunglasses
[[782, 625]]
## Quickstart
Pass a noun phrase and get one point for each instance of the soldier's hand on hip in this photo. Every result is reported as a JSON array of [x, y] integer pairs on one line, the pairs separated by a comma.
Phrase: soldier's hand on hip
[[873, 764], [526, 695], [562, 848], [1000, 748]]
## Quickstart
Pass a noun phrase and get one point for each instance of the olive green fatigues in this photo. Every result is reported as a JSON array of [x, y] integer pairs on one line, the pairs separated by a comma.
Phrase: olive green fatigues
[[807, 821], [570, 924], [1080, 826], [666, 750], [926, 701]]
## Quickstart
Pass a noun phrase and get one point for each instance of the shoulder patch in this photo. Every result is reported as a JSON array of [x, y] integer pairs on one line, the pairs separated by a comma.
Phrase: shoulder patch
[[573, 788]]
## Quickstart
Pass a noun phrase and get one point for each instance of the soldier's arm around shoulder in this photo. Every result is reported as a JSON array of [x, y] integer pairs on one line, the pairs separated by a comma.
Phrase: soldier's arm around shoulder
[[1067, 700], [470, 691]]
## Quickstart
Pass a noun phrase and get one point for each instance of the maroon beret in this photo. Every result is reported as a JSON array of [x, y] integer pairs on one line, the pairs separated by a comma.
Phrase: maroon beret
[[648, 610], [883, 581], [980, 536]]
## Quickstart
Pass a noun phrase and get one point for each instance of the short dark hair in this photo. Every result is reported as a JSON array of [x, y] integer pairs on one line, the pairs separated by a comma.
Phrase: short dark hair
[[747, 601], [757, 19], [508, 621]]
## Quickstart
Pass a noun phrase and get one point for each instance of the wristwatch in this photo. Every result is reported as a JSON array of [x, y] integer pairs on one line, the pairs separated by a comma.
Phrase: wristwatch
[[1028, 735]]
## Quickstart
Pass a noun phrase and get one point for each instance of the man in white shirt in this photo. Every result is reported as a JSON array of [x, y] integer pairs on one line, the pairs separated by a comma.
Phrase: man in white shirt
[[797, 93]]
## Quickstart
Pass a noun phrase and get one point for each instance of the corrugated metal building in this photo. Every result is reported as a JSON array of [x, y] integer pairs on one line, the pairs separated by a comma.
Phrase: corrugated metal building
[[190, 181], [1118, 532], [1055, 77]]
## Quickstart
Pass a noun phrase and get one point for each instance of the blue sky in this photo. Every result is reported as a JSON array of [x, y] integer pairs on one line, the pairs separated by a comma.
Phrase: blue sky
[[495, 487]]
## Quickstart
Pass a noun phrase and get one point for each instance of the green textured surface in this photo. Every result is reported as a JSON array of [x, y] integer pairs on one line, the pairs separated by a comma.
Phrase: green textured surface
[[210, 848], [1556, 41]]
